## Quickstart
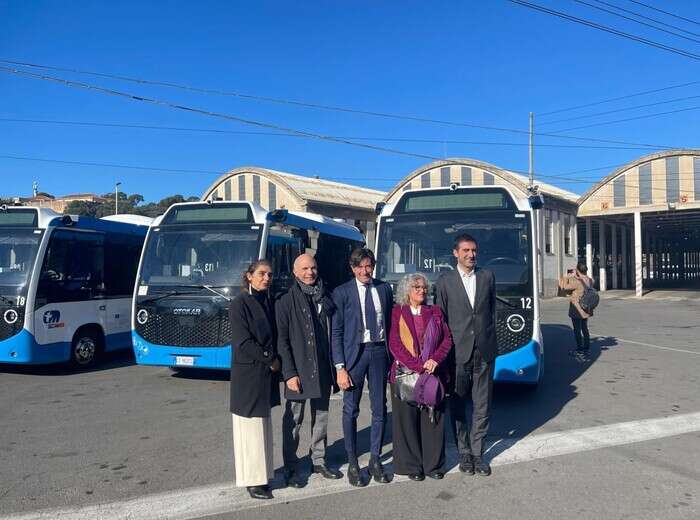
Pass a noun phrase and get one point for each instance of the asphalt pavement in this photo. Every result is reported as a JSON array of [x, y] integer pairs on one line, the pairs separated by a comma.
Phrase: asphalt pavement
[[615, 437]]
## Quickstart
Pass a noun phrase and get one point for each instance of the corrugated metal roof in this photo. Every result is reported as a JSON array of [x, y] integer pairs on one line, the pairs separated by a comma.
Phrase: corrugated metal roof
[[330, 192]]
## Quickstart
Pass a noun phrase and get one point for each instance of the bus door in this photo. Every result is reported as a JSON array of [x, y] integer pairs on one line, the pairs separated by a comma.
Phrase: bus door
[[71, 287], [284, 244]]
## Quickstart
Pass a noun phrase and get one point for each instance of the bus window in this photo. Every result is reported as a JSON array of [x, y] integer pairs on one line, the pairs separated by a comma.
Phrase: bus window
[[73, 269], [122, 253], [333, 259], [284, 244]]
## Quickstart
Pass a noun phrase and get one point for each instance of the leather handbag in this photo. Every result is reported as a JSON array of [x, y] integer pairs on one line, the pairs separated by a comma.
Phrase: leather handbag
[[405, 384]]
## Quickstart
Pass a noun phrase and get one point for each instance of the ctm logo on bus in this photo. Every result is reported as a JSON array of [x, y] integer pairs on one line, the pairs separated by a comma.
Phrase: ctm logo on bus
[[53, 319]]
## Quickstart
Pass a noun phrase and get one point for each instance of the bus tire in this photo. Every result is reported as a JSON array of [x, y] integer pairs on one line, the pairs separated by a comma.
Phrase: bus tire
[[86, 346]]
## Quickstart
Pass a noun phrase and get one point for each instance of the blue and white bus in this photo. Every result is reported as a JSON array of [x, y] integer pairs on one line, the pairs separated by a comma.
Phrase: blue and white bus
[[66, 284], [416, 234], [191, 268]]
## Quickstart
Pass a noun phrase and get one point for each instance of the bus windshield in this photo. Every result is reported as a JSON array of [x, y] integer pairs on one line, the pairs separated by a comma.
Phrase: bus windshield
[[18, 248], [209, 254], [423, 243]]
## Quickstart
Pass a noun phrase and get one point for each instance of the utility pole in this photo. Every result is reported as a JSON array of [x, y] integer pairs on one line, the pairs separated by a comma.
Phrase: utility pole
[[116, 198], [531, 169]]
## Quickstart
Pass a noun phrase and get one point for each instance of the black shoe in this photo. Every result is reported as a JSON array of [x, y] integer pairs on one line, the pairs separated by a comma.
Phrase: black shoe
[[355, 476], [481, 467], [292, 478], [466, 464], [416, 476], [327, 472], [261, 492], [377, 471], [437, 475]]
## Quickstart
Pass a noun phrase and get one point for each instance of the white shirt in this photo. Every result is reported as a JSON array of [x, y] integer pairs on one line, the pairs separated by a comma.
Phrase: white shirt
[[366, 336], [469, 282]]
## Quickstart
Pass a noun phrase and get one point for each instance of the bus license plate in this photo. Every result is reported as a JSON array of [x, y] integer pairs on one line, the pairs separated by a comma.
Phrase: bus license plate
[[186, 361]]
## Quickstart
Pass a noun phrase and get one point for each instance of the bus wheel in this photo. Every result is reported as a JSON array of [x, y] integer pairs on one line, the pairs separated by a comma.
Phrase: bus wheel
[[85, 348]]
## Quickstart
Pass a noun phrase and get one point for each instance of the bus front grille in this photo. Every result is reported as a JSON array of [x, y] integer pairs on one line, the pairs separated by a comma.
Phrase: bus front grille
[[190, 331], [508, 340], [11, 321]]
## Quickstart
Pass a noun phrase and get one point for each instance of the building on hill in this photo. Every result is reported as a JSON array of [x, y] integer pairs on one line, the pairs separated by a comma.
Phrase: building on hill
[[59, 204]]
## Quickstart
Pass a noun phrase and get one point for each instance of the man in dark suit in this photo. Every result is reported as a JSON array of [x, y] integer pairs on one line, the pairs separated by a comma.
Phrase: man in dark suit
[[467, 296], [360, 329]]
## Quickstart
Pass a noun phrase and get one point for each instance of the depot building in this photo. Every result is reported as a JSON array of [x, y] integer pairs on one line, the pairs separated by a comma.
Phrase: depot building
[[639, 227]]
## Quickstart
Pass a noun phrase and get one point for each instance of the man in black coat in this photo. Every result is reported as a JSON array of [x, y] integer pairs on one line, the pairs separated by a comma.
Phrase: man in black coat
[[303, 342], [467, 296]]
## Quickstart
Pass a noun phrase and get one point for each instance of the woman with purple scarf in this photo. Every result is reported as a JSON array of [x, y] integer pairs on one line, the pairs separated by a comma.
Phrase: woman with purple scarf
[[420, 343]]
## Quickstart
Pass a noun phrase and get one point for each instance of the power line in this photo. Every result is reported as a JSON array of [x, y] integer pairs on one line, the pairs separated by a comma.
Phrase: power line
[[308, 105], [618, 110], [634, 13], [674, 33], [619, 98], [664, 12], [607, 29], [281, 134], [646, 116]]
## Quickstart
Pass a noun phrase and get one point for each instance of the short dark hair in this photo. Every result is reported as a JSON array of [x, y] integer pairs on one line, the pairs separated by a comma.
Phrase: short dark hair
[[581, 267], [359, 254], [464, 237]]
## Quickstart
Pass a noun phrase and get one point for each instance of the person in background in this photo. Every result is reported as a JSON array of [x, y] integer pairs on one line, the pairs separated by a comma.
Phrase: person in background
[[358, 344], [418, 433], [255, 368], [303, 341], [574, 284]]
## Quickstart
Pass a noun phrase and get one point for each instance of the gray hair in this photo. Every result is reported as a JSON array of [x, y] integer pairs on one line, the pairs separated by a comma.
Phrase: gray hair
[[404, 288]]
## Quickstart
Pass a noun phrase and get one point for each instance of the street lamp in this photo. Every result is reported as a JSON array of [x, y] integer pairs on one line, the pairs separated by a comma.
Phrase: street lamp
[[116, 197]]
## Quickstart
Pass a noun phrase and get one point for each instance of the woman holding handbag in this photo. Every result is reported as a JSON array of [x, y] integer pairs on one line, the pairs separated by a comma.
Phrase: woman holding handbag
[[419, 342]]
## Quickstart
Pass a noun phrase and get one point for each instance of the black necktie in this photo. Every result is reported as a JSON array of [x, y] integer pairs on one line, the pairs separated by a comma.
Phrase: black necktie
[[371, 314]]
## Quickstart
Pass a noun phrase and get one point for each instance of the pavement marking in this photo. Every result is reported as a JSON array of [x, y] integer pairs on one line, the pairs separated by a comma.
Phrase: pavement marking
[[197, 502], [651, 346]]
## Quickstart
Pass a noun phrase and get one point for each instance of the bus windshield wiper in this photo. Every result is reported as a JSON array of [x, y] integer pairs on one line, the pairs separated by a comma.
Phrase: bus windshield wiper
[[166, 295], [503, 300], [213, 288]]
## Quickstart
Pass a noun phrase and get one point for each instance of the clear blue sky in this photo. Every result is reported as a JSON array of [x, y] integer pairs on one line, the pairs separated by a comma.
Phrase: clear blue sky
[[488, 62]]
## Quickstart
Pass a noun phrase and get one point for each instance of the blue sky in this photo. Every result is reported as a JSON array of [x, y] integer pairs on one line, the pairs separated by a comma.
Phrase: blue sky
[[487, 63]]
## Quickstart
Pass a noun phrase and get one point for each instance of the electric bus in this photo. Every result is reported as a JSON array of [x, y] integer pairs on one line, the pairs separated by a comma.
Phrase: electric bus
[[191, 269], [416, 235], [66, 284]]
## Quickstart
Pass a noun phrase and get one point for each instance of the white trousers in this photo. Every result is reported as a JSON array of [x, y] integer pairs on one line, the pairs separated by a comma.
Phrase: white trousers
[[252, 451]]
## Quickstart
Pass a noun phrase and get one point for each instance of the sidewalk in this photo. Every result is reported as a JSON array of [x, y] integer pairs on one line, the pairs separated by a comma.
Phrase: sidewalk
[[676, 295]]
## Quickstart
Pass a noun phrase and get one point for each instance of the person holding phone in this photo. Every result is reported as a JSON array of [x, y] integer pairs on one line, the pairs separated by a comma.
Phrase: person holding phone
[[574, 284], [360, 328]]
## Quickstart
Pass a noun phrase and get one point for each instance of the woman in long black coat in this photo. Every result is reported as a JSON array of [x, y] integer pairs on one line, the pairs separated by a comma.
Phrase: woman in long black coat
[[254, 380]]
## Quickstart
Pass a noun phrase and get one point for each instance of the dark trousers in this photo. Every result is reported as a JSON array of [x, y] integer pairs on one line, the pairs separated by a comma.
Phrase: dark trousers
[[583, 339], [473, 385], [418, 443], [371, 365]]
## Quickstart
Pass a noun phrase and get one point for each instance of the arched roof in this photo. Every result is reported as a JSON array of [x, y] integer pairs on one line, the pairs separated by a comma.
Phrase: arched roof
[[516, 180], [633, 164], [308, 189]]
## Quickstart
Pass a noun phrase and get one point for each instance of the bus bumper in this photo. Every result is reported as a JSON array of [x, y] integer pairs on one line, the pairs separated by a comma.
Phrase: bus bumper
[[147, 353], [524, 365], [23, 349]]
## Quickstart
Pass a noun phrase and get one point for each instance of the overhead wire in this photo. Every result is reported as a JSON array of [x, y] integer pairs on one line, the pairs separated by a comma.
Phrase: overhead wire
[[308, 105], [608, 29], [634, 13], [282, 134], [664, 12], [673, 33], [636, 118], [637, 107]]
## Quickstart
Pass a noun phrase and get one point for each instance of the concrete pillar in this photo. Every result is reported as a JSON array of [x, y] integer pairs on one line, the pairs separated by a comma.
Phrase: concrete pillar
[[625, 284], [613, 236], [602, 256], [589, 246], [638, 254]]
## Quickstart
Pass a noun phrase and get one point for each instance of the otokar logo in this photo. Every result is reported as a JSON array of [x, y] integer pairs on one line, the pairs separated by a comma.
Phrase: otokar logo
[[187, 311], [53, 319]]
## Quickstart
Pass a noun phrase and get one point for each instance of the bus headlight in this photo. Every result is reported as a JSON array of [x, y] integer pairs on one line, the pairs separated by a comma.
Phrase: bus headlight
[[515, 323], [11, 316], [142, 316]]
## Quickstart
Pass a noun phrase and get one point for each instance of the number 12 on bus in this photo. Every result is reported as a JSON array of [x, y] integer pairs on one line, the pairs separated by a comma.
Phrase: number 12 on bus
[[417, 232]]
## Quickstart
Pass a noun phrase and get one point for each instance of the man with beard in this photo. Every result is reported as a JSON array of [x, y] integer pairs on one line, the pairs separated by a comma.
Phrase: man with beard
[[304, 324]]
